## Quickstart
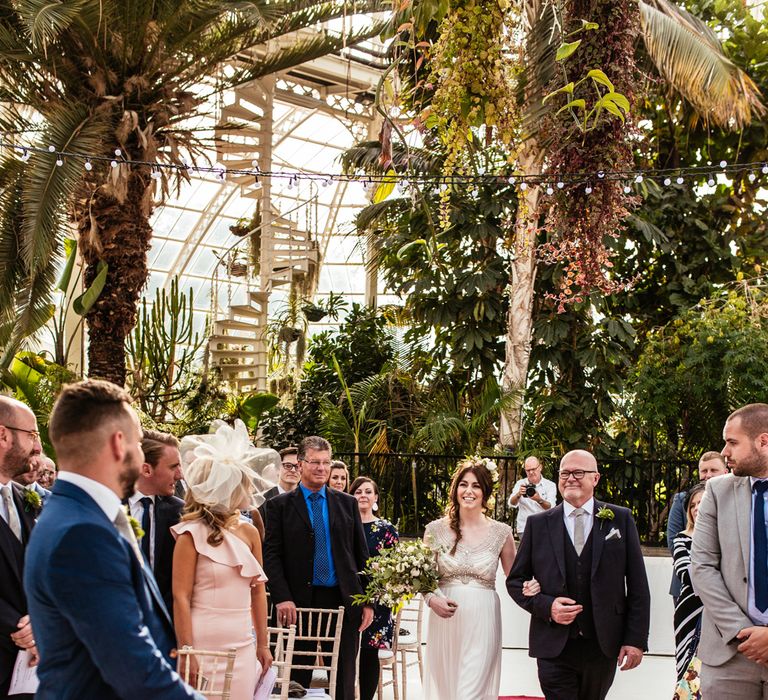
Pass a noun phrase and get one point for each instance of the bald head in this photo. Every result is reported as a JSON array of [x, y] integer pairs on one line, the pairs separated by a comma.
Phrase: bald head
[[532, 468], [578, 477]]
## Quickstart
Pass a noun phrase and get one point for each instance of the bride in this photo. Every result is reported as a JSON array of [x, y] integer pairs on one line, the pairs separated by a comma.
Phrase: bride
[[463, 660]]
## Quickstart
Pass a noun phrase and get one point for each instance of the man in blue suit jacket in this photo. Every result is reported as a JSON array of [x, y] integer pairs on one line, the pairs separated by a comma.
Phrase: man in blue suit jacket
[[100, 624]]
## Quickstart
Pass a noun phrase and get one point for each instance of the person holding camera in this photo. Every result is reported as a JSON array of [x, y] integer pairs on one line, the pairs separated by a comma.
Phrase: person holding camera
[[533, 494]]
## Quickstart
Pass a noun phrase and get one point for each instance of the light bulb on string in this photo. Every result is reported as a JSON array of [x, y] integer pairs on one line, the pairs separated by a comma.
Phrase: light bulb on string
[[549, 189], [723, 164], [88, 165], [59, 161], [711, 181], [764, 170], [113, 163], [639, 178], [627, 189], [52, 149], [588, 189], [680, 180], [26, 155], [155, 174], [667, 182], [752, 177], [600, 174], [523, 186], [560, 185], [118, 152]]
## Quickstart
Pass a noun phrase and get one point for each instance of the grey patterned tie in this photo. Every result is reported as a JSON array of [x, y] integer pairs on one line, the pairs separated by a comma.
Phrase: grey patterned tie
[[578, 529], [13, 516]]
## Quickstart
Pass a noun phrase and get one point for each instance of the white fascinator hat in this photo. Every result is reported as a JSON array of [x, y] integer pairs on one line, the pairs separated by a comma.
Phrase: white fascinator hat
[[217, 464]]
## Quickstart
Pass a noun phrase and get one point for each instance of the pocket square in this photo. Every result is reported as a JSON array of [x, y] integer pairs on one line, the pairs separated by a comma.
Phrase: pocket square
[[614, 534]]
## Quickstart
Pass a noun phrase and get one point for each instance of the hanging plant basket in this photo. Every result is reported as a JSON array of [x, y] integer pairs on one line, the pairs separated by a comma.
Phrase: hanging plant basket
[[314, 313], [238, 269], [288, 334]]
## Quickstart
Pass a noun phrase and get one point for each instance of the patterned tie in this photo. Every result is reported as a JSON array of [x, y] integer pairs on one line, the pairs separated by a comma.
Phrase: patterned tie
[[13, 516], [322, 565], [146, 524], [761, 547], [578, 530], [125, 529]]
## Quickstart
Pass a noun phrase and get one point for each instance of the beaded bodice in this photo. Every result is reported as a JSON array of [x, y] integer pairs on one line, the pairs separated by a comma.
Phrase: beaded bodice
[[475, 564]]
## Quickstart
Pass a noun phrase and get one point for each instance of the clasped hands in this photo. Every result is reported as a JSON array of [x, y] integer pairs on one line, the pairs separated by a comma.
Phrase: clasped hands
[[24, 639], [287, 615]]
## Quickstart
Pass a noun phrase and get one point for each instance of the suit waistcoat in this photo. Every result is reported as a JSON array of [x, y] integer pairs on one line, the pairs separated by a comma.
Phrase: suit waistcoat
[[578, 578]]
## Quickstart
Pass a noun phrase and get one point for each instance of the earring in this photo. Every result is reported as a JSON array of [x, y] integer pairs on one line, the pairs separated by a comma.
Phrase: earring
[[375, 507]]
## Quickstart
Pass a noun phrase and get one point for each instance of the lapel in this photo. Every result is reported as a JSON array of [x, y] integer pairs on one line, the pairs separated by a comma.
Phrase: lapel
[[149, 579], [331, 502], [26, 515], [12, 549], [742, 496], [297, 498], [557, 535], [599, 531]]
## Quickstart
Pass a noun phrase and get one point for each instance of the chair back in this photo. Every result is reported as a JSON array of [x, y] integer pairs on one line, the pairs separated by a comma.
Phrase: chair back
[[320, 627], [214, 671], [281, 641], [411, 618]]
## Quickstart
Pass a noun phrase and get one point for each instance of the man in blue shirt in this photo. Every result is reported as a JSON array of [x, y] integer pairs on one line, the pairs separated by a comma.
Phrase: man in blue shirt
[[314, 551]]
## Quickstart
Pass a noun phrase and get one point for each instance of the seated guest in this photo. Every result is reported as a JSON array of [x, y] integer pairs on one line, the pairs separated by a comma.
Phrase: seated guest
[[156, 508], [339, 477], [219, 595], [689, 607], [100, 624]]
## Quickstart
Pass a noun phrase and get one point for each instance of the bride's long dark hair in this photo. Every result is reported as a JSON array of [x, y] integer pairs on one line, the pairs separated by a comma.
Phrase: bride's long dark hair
[[485, 480]]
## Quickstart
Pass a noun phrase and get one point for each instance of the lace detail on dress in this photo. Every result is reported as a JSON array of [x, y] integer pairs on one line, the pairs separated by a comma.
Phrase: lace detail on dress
[[477, 564]]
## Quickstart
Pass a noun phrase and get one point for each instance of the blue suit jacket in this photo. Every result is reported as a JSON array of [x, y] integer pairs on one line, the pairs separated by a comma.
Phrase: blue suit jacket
[[101, 627]]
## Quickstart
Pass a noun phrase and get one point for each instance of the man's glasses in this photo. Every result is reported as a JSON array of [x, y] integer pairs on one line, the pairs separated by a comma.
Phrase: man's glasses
[[577, 474], [290, 466], [34, 433], [317, 462]]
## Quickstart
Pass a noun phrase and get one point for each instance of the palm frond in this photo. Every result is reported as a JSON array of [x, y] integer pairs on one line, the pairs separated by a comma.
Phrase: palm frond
[[690, 58]]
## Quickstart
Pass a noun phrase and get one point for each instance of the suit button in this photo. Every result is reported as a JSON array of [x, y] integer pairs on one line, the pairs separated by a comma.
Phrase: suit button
[[745, 579]]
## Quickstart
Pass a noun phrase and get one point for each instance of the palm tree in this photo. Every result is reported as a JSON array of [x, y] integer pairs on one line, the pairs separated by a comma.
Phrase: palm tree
[[127, 76], [690, 60]]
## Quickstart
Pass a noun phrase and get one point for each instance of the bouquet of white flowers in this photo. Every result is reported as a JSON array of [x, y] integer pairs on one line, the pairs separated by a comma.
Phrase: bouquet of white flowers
[[398, 574]]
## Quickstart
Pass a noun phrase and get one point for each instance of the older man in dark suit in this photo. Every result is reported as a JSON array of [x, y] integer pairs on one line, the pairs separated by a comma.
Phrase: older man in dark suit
[[19, 444], [155, 506], [314, 552], [593, 611]]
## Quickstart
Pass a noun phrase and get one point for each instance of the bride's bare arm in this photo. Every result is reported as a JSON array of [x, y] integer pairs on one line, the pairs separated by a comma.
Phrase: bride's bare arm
[[507, 555]]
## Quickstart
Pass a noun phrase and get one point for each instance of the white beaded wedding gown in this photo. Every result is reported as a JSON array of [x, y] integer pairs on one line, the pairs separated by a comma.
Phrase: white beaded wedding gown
[[463, 660]]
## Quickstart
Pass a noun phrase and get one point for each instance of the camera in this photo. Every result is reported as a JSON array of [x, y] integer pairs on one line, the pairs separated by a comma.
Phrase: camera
[[530, 490]]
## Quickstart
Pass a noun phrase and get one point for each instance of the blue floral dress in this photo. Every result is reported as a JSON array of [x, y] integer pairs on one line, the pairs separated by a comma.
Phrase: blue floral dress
[[380, 534]]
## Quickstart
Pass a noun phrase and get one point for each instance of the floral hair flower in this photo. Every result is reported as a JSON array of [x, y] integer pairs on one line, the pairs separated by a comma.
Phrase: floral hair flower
[[477, 461]]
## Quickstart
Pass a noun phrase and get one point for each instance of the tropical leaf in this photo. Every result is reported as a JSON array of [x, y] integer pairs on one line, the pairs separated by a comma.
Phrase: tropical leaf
[[690, 58]]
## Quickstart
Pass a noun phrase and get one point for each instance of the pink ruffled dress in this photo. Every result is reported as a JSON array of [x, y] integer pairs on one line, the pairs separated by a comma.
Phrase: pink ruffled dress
[[221, 602]]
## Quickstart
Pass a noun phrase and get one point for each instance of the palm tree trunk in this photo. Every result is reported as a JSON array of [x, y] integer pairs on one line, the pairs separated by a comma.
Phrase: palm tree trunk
[[116, 230], [520, 314]]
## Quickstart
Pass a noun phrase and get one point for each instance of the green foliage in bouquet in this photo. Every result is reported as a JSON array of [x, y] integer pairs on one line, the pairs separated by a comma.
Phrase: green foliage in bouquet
[[398, 574]]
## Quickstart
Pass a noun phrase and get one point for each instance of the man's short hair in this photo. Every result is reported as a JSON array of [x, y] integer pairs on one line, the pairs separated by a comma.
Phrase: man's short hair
[[154, 443], [313, 442], [83, 408], [711, 456], [754, 418], [287, 451]]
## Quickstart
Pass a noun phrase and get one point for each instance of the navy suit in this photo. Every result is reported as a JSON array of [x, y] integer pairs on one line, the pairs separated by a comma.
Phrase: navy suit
[[100, 624]]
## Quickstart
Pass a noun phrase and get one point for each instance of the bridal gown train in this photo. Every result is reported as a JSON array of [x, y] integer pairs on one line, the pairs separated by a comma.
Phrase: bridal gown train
[[463, 659]]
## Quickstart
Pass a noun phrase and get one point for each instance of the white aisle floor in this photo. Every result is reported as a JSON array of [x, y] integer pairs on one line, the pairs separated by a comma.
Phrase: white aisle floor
[[654, 679]]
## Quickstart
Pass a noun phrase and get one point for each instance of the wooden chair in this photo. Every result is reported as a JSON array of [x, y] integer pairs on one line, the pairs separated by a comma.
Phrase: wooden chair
[[396, 660], [214, 676], [281, 641], [321, 628]]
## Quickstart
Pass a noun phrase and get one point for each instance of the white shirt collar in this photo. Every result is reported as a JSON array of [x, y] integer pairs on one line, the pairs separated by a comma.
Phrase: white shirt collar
[[105, 497], [589, 507], [137, 496]]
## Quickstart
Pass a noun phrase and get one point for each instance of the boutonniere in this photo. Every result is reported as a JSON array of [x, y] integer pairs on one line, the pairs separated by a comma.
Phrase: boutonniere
[[32, 500], [605, 514], [135, 526]]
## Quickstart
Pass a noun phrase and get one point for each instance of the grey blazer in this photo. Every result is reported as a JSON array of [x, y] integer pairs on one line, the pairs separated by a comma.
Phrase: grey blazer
[[720, 565]]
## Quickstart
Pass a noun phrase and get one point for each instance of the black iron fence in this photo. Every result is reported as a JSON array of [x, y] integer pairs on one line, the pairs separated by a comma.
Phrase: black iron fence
[[414, 487]]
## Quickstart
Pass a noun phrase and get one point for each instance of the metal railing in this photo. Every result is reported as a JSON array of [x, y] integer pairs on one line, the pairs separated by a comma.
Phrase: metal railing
[[414, 487]]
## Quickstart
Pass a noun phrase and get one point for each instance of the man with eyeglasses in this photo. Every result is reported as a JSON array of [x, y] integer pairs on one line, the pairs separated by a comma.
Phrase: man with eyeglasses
[[287, 479], [533, 494], [314, 551], [593, 611], [19, 445]]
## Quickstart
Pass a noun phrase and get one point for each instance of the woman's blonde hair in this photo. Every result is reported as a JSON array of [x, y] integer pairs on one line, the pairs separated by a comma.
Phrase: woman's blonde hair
[[220, 516]]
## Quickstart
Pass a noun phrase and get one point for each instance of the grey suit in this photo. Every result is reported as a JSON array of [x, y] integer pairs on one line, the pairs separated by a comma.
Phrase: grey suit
[[720, 559]]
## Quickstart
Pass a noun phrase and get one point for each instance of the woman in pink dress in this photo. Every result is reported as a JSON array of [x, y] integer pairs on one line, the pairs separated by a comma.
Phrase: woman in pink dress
[[219, 596]]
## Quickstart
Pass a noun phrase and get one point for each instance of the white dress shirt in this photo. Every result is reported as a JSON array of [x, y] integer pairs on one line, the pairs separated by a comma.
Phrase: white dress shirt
[[759, 618], [137, 511], [546, 489], [105, 497], [3, 511], [588, 518]]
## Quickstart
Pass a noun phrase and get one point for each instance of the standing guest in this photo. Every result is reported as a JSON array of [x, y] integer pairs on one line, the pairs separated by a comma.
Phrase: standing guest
[[593, 610], [30, 481], [218, 583], [154, 505], [729, 563], [688, 608], [339, 477], [380, 534], [464, 636], [288, 477], [100, 623], [19, 445], [710, 464], [531, 495], [47, 475], [314, 552]]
